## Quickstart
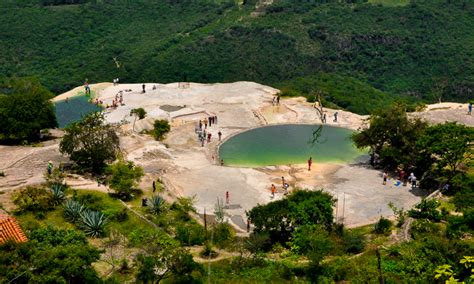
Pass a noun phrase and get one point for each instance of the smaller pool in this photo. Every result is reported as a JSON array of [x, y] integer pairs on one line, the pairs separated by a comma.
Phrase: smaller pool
[[73, 110], [289, 144]]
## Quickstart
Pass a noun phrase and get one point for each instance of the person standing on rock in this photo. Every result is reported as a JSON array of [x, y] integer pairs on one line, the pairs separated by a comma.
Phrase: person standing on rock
[[220, 135], [273, 189], [227, 197], [205, 123], [310, 162], [143, 88], [469, 108], [154, 186], [283, 181], [209, 135], [385, 176], [335, 116], [278, 100]]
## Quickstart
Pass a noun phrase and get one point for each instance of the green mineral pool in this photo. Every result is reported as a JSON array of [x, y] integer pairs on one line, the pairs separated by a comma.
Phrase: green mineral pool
[[73, 110], [289, 144]]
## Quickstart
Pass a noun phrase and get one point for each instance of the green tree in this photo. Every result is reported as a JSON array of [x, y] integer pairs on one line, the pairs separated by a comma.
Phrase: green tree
[[302, 207], [91, 143], [25, 109], [139, 113], [50, 256], [160, 128], [449, 145], [312, 241], [123, 177], [392, 136]]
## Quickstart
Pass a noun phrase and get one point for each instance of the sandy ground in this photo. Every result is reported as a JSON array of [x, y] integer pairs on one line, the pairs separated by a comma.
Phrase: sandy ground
[[187, 169]]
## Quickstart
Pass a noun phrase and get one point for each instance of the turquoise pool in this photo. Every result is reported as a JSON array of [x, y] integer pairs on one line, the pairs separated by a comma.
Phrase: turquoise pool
[[73, 110], [289, 144]]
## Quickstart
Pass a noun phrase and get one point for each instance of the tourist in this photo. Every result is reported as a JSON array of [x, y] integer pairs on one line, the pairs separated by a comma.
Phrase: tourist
[[50, 167], [273, 188], [154, 186], [200, 125], [210, 121], [67, 100], [143, 88], [469, 108], [222, 162], [86, 87], [385, 176], [285, 188], [283, 181], [310, 162], [154, 87], [402, 177], [278, 100], [335, 116], [248, 225], [220, 135], [215, 119], [209, 137], [412, 180], [324, 118], [273, 101], [205, 123], [227, 198]]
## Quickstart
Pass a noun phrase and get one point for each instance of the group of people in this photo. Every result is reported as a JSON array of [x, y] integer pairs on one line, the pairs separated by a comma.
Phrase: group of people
[[115, 81], [285, 187], [402, 179], [201, 128]]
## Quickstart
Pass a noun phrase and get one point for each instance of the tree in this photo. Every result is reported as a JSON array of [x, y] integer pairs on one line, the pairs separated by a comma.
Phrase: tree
[[123, 177], [139, 113], [25, 109], [449, 146], [160, 128], [51, 255], [302, 207], [90, 143], [313, 241], [392, 136]]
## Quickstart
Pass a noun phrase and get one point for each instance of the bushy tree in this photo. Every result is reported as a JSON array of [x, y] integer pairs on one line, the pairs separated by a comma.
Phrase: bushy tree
[[392, 135], [51, 255], [25, 109], [160, 128], [449, 145], [123, 177], [302, 207], [91, 143]]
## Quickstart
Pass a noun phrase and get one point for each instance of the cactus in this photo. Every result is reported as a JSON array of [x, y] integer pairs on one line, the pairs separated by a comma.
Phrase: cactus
[[156, 204], [73, 210], [93, 223], [58, 193]]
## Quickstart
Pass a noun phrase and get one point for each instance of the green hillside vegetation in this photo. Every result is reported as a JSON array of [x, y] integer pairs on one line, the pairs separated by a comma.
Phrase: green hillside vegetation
[[373, 50]]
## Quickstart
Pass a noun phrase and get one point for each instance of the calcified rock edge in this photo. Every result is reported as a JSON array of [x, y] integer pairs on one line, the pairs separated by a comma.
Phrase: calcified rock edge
[[187, 169]]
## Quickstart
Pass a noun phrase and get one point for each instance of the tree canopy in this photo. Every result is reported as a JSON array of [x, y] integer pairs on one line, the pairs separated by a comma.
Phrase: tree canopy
[[25, 109], [123, 177], [302, 207], [91, 143], [51, 255]]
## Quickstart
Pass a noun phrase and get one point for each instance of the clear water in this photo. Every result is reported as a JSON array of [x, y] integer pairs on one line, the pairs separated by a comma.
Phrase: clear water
[[73, 110], [289, 144]]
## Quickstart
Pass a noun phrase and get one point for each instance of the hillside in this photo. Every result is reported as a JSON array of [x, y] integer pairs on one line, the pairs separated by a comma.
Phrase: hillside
[[371, 53]]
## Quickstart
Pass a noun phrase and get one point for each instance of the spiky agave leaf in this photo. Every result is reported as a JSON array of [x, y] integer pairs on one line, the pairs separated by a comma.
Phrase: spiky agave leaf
[[93, 223], [156, 204], [58, 193], [73, 210]]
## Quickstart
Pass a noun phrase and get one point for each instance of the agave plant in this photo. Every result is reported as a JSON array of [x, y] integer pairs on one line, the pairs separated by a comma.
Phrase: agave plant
[[73, 210], [156, 204], [93, 223], [58, 193]]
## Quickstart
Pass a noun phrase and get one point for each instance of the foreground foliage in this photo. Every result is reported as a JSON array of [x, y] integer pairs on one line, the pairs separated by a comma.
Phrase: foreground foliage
[[51, 255]]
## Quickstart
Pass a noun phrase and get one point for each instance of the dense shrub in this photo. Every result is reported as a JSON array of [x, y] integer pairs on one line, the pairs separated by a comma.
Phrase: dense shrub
[[160, 128], [33, 199], [353, 242], [223, 234], [190, 234], [383, 226], [427, 208]]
